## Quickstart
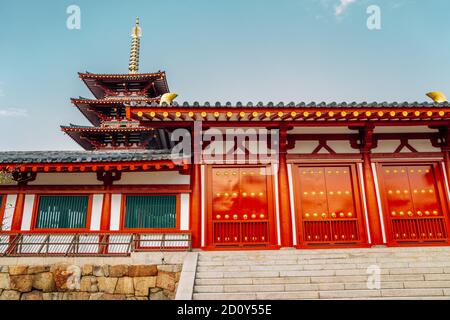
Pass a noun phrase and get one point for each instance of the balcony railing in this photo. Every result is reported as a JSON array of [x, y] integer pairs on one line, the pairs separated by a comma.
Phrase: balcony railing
[[90, 244]]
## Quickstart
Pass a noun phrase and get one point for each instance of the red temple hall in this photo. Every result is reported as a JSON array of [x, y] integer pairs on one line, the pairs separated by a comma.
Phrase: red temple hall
[[339, 174]]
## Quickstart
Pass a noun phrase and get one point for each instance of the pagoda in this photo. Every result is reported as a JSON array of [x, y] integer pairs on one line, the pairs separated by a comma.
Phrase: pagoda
[[112, 93]]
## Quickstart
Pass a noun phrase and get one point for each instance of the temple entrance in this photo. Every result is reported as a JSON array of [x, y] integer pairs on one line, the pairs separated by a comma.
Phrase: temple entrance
[[328, 206], [239, 207], [412, 196]]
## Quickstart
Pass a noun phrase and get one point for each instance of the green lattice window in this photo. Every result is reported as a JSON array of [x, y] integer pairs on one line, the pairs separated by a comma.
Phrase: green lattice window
[[61, 212], [150, 211]]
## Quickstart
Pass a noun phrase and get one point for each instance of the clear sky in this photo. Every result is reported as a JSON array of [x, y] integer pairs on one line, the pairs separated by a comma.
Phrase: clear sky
[[216, 50]]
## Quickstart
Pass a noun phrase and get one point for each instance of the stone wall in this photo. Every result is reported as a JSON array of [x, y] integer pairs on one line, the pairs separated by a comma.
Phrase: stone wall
[[64, 281]]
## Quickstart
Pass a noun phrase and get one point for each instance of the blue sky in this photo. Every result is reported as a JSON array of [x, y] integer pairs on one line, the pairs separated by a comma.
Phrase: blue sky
[[216, 50]]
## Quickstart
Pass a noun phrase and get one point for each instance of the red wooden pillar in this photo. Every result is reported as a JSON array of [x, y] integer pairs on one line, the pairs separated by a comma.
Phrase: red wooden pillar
[[195, 201], [376, 233], [367, 142], [283, 192], [106, 210], [195, 205], [16, 222]]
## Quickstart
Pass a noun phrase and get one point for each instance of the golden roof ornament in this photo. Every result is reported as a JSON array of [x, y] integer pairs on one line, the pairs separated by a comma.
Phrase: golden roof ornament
[[136, 34], [437, 96]]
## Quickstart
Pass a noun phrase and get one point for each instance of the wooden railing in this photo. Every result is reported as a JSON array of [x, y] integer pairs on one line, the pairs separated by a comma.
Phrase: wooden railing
[[90, 244]]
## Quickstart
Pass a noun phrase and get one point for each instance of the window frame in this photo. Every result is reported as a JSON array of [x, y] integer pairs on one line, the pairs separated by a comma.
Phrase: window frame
[[137, 230], [37, 201]]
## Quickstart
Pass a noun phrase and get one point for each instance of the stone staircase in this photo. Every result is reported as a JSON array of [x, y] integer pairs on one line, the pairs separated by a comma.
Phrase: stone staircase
[[405, 273]]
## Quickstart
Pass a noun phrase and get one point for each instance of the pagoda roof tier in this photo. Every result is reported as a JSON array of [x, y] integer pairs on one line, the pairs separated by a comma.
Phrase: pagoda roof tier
[[76, 161], [301, 113], [114, 101], [93, 138], [123, 85], [99, 110], [77, 128]]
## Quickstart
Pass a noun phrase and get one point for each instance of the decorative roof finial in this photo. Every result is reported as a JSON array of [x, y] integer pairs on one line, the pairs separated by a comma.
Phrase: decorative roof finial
[[136, 34]]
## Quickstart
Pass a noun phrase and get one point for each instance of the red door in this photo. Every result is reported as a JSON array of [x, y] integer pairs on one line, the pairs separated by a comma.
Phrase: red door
[[329, 206], [239, 211], [412, 198]]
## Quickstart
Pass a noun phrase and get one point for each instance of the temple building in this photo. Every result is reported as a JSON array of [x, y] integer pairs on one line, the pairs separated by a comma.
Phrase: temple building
[[330, 174]]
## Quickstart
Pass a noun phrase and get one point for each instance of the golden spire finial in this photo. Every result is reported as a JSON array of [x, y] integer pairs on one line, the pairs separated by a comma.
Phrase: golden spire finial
[[136, 34]]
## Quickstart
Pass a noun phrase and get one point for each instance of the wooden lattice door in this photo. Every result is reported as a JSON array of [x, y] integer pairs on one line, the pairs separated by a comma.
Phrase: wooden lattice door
[[413, 199], [239, 212]]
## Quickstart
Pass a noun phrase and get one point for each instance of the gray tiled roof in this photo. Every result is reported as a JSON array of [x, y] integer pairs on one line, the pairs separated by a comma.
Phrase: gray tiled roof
[[82, 156], [364, 104]]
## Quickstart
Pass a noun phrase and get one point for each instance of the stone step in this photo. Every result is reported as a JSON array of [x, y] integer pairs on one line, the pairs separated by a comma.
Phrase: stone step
[[327, 279], [275, 272], [410, 261], [337, 294], [301, 267], [406, 273]]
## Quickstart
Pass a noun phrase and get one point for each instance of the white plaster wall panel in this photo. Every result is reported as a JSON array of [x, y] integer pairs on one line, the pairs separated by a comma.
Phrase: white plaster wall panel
[[184, 211], [203, 203], [116, 201], [277, 207], [386, 146], [56, 178], [341, 146], [27, 212], [304, 147], [96, 212], [402, 129], [225, 142], [9, 211], [423, 145], [321, 130], [158, 177]]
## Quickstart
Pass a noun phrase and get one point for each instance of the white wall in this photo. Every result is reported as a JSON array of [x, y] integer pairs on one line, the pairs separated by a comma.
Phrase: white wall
[[27, 212], [57, 178], [184, 211], [116, 204], [9, 212], [158, 177], [96, 213]]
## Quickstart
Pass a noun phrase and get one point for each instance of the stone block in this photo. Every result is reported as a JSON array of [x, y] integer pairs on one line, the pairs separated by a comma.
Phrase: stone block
[[76, 296], [107, 296], [87, 269], [166, 280], [38, 269], [142, 285], [170, 267], [142, 270], [88, 284], [10, 295], [107, 285], [22, 283], [44, 281], [18, 270], [125, 285], [101, 271], [52, 295], [118, 271], [4, 281], [159, 295], [33, 295]]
